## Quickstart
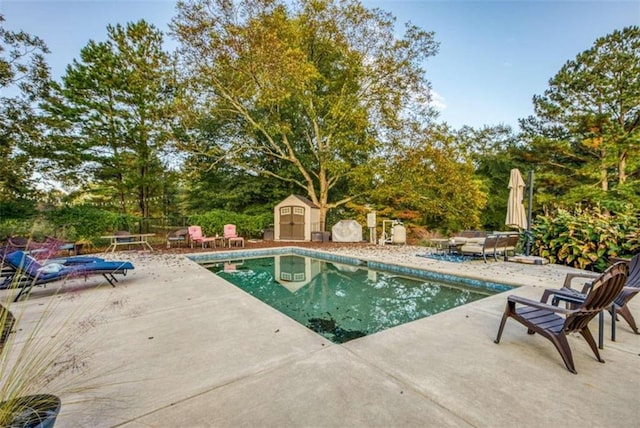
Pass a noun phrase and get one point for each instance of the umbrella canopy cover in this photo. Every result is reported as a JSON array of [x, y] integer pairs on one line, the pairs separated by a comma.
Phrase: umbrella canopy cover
[[516, 216]]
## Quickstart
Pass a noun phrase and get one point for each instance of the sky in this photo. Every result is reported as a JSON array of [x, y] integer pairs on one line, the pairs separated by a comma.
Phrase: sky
[[494, 56]]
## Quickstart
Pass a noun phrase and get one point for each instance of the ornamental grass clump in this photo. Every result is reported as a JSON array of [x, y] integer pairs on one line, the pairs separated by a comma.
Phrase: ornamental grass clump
[[41, 356]]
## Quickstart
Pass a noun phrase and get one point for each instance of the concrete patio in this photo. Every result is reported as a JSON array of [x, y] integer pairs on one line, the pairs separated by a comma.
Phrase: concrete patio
[[174, 345]]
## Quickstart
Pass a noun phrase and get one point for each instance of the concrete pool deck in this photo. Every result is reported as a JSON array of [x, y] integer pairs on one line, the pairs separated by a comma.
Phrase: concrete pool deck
[[174, 345]]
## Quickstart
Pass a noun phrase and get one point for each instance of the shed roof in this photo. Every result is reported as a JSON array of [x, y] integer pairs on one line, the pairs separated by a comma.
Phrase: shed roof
[[305, 201]]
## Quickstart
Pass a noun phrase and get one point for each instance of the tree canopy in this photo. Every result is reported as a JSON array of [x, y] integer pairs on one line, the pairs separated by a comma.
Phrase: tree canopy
[[327, 98], [24, 77], [307, 92], [431, 182], [586, 132], [111, 118]]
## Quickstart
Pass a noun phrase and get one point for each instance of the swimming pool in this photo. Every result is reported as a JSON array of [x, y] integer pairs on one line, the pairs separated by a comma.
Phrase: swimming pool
[[348, 298]]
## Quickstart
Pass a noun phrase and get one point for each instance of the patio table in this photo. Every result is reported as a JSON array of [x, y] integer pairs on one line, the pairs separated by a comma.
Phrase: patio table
[[446, 244], [131, 239]]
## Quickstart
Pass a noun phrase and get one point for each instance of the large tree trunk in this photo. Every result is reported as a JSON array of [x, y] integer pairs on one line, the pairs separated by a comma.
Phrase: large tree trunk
[[323, 217], [324, 198]]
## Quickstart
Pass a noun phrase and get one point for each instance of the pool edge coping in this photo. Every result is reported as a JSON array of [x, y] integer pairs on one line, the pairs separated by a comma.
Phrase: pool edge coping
[[354, 261]]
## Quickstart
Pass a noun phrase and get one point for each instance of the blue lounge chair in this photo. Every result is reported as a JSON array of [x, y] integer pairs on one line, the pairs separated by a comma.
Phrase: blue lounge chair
[[29, 272], [8, 272]]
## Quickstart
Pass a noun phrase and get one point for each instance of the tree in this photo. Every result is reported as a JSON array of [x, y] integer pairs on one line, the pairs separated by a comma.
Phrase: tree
[[435, 178], [112, 116], [229, 188], [587, 124], [318, 85], [24, 76], [493, 152]]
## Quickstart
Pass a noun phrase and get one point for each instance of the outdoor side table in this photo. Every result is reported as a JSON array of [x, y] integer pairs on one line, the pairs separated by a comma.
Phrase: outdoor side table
[[238, 241]]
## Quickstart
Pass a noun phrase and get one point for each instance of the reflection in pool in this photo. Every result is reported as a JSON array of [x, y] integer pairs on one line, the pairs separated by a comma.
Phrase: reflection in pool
[[342, 302]]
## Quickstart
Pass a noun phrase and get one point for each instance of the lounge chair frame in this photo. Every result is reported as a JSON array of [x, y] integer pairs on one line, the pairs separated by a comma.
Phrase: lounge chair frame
[[494, 245], [25, 274]]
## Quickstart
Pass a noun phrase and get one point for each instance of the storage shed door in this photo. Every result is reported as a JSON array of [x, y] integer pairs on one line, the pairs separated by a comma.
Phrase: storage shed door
[[292, 268], [292, 223]]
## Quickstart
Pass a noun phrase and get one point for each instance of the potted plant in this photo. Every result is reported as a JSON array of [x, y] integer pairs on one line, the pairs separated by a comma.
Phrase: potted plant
[[39, 410], [39, 353], [35, 410]]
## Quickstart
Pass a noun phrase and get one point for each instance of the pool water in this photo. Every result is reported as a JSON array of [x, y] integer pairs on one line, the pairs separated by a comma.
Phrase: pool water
[[342, 302]]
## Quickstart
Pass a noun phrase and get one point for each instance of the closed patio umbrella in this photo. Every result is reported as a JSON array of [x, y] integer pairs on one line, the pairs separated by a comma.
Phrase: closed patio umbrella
[[516, 216]]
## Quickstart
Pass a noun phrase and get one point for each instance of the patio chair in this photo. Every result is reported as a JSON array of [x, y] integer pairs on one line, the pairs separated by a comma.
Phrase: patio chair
[[231, 235], [38, 249], [177, 236], [619, 305], [481, 247], [29, 272], [196, 235], [543, 318], [18, 242], [9, 272], [124, 236], [506, 244]]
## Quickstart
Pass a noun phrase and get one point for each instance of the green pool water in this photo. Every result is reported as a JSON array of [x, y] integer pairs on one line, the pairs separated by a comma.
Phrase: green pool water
[[342, 302]]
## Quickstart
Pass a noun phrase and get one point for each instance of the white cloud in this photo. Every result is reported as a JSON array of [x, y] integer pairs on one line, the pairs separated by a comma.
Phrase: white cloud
[[437, 101]]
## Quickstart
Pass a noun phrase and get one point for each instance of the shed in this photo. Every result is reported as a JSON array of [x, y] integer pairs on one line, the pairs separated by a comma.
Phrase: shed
[[295, 218], [295, 272]]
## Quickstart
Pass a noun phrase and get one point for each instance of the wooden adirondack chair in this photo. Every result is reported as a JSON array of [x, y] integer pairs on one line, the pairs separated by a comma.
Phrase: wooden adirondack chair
[[620, 304], [543, 318]]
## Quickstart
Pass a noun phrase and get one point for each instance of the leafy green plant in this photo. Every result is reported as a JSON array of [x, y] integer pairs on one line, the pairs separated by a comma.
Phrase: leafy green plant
[[585, 238], [632, 242], [38, 228], [250, 226], [87, 223], [15, 227]]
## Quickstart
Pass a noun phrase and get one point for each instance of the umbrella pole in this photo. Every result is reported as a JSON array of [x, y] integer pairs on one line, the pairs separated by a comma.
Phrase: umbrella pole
[[528, 240]]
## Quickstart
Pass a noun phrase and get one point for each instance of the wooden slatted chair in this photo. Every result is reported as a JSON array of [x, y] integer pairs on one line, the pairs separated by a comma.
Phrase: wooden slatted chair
[[506, 244], [631, 288], [544, 319], [620, 304]]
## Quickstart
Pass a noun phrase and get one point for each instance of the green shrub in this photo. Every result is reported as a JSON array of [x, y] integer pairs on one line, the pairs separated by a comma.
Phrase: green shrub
[[16, 227], [249, 226], [585, 238], [82, 222]]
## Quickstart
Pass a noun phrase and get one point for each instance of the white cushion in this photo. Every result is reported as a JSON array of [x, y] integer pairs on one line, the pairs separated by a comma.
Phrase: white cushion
[[479, 241], [51, 268]]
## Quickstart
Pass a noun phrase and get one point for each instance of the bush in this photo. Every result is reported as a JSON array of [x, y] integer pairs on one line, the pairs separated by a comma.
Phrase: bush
[[16, 227], [248, 226], [585, 238], [82, 222]]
